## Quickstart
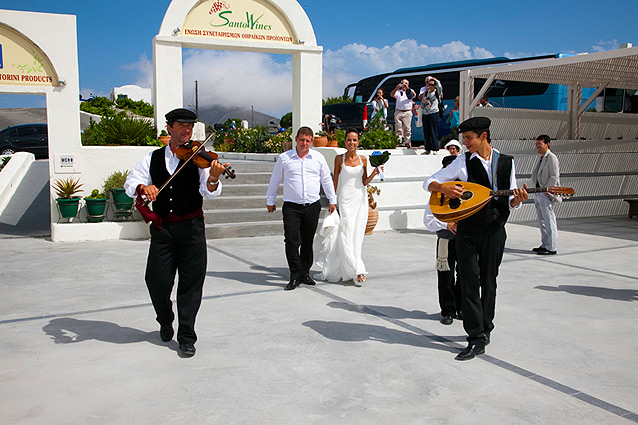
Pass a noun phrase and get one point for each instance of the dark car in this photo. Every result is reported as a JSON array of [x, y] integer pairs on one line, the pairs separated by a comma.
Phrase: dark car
[[32, 138]]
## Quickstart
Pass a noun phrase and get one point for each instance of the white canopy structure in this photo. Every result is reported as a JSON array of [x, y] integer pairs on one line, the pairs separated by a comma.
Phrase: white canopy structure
[[614, 69]]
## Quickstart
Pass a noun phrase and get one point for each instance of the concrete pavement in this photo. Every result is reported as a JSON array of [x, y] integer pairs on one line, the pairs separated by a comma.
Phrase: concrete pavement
[[80, 343]]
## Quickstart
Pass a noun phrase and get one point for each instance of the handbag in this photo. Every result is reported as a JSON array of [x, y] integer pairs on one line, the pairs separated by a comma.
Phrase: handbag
[[441, 106]]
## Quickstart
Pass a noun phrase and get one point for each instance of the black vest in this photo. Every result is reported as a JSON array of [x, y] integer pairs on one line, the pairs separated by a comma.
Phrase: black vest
[[181, 196], [496, 212]]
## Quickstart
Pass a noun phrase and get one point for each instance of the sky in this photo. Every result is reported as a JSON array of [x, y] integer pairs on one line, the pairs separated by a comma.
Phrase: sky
[[359, 38]]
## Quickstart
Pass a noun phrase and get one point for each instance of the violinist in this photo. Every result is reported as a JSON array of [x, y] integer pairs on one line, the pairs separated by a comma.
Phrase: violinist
[[179, 242]]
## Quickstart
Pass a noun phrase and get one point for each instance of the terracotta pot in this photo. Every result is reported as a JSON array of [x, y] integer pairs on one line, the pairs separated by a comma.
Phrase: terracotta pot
[[320, 141], [373, 217], [333, 144], [286, 146], [165, 139]]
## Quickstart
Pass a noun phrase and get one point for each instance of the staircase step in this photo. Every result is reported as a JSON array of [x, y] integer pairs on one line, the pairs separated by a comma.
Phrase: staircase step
[[249, 178], [244, 229], [248, 190], [242, 215]]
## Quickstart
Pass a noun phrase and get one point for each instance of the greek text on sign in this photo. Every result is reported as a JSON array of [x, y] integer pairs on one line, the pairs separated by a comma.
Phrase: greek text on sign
[[66, 161], [237, 19]]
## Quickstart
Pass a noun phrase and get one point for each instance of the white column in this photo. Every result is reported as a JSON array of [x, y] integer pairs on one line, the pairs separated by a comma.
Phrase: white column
[[167, 82], [466, 93], [306, 90]]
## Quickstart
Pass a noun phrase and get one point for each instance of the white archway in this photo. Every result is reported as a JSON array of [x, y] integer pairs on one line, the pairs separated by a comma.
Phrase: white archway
[[263, 26]]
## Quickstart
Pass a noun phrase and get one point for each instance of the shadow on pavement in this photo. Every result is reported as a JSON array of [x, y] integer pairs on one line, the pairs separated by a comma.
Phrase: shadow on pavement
[[385, 311], [67, 330], [352, 332], [594, 291]]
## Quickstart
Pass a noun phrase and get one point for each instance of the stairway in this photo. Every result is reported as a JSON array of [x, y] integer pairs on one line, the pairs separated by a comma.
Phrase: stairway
[[240, 211]]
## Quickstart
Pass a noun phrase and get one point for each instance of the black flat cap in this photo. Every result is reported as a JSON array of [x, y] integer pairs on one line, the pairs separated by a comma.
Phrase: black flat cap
[[476, 124], [181, 115]]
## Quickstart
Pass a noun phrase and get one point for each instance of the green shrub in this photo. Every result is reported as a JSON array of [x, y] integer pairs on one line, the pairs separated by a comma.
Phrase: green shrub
[[115, 180], [252, 140], [138, 107], [376, 136], [286, 120], [274, 144], [4, 162], [338, 99], [120, 130], [99, 106]]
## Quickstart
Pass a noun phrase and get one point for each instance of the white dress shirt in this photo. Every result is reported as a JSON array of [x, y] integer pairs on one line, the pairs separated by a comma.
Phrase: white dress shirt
[[302, 178], [140, 174], [457, 170]]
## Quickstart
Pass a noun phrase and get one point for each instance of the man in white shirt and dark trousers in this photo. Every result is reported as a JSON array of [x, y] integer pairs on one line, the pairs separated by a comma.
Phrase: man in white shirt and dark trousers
[[480, 238], [303, 172], [546, 174], [404, 96]]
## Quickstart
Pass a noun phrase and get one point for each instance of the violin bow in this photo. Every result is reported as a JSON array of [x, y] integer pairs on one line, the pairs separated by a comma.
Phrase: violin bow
[[212, 135]]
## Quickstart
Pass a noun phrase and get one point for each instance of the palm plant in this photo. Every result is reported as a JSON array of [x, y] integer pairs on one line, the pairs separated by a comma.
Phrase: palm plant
[[66, 188]]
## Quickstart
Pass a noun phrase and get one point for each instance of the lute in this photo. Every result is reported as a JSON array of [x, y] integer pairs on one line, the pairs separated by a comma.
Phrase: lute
[[475, 197]]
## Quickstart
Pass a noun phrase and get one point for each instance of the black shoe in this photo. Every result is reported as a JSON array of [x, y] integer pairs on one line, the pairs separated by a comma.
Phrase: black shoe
[[187, 349], [459, 315], [472, 350], [166, 332], [539, 249], [546, 252], [487, 339], [292, 285], [446, 320], [308, 281]]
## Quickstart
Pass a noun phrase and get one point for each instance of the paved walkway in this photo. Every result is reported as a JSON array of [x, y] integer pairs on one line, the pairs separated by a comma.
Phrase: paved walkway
[[80, 344]]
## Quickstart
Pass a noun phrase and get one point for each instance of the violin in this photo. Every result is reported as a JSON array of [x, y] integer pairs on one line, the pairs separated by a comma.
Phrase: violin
[[201, 157]]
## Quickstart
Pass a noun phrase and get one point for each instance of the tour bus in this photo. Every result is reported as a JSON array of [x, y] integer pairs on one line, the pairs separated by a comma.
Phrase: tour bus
[[501, 93]]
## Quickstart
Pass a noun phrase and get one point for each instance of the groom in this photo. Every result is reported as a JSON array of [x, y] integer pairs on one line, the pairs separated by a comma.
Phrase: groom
[[303, 172]]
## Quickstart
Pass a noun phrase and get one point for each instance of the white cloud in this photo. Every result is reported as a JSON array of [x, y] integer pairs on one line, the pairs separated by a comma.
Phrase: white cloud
[[265, 81], [603, 45]]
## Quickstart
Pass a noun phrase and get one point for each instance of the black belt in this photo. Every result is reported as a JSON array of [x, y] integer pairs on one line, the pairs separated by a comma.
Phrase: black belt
[[301, 205]]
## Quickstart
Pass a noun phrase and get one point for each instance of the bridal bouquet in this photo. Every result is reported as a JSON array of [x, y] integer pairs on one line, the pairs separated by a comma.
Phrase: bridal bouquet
[[377, 159]]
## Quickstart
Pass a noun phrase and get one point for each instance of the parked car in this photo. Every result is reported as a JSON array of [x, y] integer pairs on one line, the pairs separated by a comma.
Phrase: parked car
[[32, 138]]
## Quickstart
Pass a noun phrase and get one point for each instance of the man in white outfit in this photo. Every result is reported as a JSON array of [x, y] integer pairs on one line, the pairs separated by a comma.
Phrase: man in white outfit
[[546, 174], [404, 96]]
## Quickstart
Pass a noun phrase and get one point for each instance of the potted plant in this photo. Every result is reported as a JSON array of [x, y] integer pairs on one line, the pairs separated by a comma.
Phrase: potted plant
[[330, 126], [373, 212], [114, 184], [164, 137], [68, 204], [95, 206]]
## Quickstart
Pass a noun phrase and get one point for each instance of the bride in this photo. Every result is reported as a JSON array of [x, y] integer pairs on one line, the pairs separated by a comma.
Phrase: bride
[[341, 238]]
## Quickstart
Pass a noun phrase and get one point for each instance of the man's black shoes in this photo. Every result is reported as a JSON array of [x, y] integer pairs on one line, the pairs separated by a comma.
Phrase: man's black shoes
[[308, 281], [292, 285], [539, 249], [472, 350], [187, 349], [546, 252], [447, 320], [166, 332]]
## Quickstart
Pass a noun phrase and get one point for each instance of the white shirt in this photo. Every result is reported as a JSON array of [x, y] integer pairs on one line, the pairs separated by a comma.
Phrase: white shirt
[[140, 174], [432, 223], [457, 170], [403, 103], [302, 178]]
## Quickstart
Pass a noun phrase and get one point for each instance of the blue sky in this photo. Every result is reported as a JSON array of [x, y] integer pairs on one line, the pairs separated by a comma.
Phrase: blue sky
[[359, 39]]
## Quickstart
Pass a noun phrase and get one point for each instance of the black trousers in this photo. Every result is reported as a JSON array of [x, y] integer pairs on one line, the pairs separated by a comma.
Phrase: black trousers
[[431, 131], [479, 251], [178, 247], [300, 225], [450, 299]]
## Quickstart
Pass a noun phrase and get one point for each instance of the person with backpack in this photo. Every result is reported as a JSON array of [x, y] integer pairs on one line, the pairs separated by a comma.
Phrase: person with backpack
[[430, 96]]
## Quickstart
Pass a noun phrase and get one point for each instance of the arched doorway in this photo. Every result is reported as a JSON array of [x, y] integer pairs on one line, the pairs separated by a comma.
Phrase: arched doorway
[[264, 26]]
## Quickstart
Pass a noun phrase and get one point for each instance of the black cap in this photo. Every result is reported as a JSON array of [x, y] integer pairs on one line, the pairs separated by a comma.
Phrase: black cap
[[181, 115], [476, 124]]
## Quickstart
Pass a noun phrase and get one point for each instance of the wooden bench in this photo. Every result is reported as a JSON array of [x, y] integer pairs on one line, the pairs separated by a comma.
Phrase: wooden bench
[[633, 207]]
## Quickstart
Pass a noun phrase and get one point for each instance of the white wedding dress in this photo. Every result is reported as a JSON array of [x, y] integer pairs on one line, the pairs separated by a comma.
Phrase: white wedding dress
[[338, 245]]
